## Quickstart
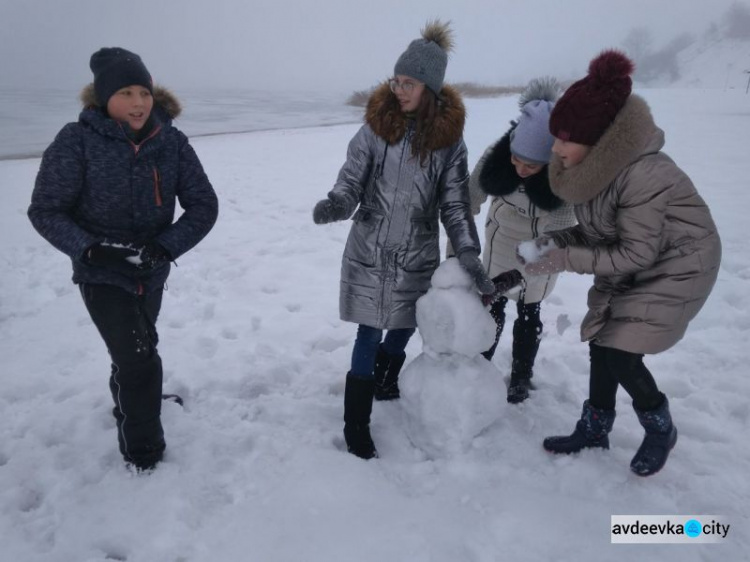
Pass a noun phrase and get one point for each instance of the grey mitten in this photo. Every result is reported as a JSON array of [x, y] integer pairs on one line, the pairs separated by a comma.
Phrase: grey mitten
[[469, 260], [329, 210]]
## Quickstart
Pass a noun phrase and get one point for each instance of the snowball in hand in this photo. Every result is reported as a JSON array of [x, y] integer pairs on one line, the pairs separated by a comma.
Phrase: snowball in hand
[[530, 252], [451, 317]]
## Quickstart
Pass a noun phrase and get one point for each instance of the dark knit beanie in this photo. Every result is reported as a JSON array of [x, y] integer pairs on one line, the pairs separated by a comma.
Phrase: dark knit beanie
[[425, 59], [115, 68], [590, 105]]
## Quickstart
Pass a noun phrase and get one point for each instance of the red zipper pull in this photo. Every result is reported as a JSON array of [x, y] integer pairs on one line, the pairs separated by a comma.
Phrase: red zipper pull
[[157, 187]]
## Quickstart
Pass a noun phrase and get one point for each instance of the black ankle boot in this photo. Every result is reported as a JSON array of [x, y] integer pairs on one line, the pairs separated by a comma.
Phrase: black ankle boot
[[661, 436], [357, 409], [591, 432], [387, 369]]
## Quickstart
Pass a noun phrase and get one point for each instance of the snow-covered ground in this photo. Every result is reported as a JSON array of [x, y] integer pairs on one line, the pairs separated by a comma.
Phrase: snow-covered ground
[[256, 467]]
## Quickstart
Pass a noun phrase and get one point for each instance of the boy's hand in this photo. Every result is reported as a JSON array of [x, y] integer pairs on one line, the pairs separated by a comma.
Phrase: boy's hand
[[153, 255], [113, 258]]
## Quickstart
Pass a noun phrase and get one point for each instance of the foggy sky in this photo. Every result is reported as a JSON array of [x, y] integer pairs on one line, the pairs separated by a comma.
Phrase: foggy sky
[[336, 45]]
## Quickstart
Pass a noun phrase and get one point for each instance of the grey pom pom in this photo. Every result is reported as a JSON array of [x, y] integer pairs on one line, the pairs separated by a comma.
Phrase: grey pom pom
[[546, 88]]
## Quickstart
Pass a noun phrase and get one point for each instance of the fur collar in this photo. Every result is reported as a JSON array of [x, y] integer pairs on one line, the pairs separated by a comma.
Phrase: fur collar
[[498, 177], [632, 134], [390, 123], [163, 98]]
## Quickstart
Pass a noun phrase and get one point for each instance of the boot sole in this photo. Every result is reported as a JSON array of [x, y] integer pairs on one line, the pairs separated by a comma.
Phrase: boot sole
[[554, 452]]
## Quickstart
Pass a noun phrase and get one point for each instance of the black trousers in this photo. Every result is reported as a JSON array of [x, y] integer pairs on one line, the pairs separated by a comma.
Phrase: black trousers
[[613, 367], [127, 324]]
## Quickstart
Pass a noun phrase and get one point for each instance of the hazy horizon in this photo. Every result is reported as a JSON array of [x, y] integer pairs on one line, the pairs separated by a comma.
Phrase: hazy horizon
[[335, 46]]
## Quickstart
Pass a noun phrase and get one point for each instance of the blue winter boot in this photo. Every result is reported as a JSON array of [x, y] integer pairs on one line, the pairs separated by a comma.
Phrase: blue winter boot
[[661, 436], [590, 432]]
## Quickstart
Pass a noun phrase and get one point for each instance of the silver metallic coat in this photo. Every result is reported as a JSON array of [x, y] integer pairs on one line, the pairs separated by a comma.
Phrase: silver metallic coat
[[393, 246]]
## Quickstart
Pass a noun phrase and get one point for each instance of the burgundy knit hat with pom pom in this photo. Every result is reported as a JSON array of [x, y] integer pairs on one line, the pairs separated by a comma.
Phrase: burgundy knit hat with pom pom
[[590, 105]]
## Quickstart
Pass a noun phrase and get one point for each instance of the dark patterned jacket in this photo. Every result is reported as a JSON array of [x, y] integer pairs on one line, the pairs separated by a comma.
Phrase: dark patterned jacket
[[95, 185]]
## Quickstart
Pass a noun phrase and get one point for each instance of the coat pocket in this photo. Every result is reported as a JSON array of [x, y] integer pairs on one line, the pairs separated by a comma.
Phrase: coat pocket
[[424, 251], [361, 246]]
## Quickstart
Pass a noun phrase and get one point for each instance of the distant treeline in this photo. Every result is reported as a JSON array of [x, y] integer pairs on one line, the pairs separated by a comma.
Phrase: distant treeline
[[466, 89], [654, 63]]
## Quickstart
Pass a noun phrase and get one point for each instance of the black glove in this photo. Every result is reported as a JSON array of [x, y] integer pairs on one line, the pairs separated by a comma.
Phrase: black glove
[[153, 255], [113, 258], [329, 210], [469, 260], [503, 283]]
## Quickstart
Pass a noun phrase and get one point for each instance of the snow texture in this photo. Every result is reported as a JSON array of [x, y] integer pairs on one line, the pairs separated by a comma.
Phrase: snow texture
[[256, 468]]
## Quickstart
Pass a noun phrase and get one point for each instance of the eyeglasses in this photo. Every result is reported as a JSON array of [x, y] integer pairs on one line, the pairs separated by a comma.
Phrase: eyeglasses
[[407, 87]]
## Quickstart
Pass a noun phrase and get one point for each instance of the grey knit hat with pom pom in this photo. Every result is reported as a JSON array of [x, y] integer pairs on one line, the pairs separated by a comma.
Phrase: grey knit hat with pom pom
[[531, 140], [425, 59]]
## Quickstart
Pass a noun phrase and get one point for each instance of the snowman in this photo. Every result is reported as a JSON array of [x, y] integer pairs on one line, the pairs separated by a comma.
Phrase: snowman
[[450, 393]]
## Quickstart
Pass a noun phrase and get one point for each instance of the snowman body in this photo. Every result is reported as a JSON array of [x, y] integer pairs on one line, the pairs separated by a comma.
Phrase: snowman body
[[450, 393]]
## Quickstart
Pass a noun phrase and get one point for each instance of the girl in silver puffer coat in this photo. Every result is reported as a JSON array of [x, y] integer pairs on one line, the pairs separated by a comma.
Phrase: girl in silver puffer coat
[[405, 167]]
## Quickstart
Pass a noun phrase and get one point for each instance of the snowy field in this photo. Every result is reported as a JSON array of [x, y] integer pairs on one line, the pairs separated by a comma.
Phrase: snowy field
[[256, 468]]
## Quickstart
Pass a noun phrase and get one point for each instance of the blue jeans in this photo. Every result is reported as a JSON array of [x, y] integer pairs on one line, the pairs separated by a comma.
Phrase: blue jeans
[[366, 347]]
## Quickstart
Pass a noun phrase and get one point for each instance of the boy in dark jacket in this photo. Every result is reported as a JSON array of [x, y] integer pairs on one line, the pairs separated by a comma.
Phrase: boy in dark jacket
[[105, 195]]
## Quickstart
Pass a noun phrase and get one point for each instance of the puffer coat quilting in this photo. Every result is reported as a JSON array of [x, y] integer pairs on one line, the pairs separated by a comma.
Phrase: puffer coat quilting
[[643, 231], [393, 245]]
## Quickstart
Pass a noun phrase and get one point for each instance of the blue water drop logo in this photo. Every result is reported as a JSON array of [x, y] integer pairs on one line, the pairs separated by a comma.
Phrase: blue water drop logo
[[693, 528]]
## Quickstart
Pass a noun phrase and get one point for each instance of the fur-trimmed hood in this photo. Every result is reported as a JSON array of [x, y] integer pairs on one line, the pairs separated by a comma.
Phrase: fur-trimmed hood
[[498, 176], [387, 121], [163, 98], [631, 135]]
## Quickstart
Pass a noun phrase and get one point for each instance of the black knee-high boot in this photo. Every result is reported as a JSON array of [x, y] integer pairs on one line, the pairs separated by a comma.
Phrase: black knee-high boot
[[357, 409], [527, 330], [387, 369]]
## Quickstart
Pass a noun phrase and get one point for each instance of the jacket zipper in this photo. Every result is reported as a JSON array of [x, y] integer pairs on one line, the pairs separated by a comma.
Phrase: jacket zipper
[[137, 147], [157, 187]]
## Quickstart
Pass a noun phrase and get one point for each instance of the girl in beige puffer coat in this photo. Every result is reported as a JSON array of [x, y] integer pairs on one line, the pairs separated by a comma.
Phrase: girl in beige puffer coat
[[513, 172], [646, 235]]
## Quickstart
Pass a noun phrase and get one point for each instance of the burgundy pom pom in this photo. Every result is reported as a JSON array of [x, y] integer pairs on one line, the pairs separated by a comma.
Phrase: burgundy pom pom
[[611, 65]]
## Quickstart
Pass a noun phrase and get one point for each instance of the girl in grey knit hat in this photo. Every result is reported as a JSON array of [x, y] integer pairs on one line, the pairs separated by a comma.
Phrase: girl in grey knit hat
[[405, 168], [513, 173]]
